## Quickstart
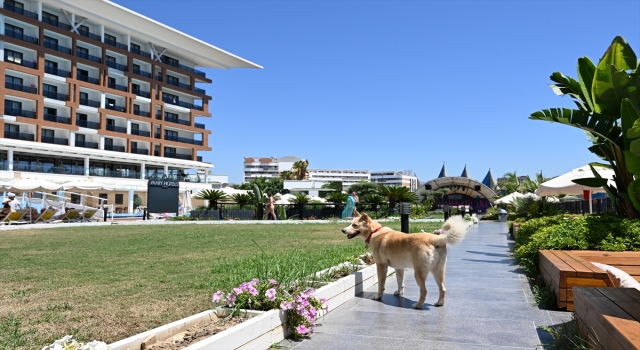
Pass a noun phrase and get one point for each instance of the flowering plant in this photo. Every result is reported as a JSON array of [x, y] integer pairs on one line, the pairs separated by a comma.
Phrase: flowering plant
[[302, 307], [68, 343]]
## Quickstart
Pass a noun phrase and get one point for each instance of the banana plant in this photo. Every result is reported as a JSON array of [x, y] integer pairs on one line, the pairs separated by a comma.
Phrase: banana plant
[[608, 101]]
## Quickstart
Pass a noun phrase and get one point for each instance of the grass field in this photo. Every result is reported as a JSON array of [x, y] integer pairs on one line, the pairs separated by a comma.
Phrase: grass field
[[110, 282]]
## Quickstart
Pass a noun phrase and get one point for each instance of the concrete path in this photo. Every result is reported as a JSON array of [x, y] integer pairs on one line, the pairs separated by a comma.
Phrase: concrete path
[[489, 306]]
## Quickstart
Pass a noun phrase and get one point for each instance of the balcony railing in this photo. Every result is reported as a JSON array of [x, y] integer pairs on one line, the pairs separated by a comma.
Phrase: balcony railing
[[20, 36], [156, 153], [87, 144], [19, 113], [157, 135], [199, 126], [141, 93], [56, 95], [177, 120], [141, 73], [57, 119], [179, 84], [180, 103], [183, 67], [115, 108], [141, 113], [58, 24], [57, 47], [118, 87], [18, 136], [140, 52], [19, 87], [87, 124], [158, 116], [20, 11], [159, 77], [140, 151], [90, 103], [89, 57], [114, 148], [116, 128], [58, 72], [183, 140], [116, 44], [89, 35], [54, 140], [122, 173], [178, 156], [140, 132], [117, 66], [88, 79], [199, 158], [200, 91], [19, 61]]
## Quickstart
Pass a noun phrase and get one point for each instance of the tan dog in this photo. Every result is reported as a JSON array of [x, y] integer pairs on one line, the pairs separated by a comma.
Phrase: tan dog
[[423, 252]]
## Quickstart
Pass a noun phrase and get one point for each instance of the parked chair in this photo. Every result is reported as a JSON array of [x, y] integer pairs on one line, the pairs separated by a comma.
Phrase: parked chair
[[70, 216], [88, 215], [15, 217], [45, 217]]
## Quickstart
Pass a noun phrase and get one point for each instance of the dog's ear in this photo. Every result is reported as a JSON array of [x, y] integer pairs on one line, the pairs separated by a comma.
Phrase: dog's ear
[[364, 217]]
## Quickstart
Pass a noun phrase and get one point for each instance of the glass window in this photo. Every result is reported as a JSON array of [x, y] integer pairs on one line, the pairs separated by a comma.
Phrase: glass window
[[112, 80], [109, 37], [48, 133], [50, 88], [81, 116], [172, 79], [84, 95], [169, 150], [111, 122], [111, 59], [12, 28], [50, 111], [51, 17], [135, 87], [11, 127], [136, 108], [83, 28], [135, 126], [51, 64], [170, 133], [119, 198], [13, 56], [13, 80], [12, 104], [171, 61], [80, 137], [50, 40], [108, 141], [83, 72], [15, 4], [82, 50], [135, 47]]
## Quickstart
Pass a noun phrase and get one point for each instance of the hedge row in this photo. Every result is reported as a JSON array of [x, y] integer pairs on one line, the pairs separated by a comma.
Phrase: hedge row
[[566, 232]]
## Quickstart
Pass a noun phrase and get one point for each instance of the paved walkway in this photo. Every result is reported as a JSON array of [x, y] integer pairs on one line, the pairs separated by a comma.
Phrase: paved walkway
[[489, 306]]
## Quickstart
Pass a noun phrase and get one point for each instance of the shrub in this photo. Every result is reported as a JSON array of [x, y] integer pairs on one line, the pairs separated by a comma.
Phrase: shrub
[[604, 232]]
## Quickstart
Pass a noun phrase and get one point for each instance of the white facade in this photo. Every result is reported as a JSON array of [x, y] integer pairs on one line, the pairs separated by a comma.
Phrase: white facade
[[404, 178], [348, 177], [268, 167], [296, 186]]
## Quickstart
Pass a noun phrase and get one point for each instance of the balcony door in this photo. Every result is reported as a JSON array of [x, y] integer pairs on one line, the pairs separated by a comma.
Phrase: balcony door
[[83, 72], [50, 111], [48, 134], [12, 107], [17, 5], [14, 29], [13, 56], [13, 80]]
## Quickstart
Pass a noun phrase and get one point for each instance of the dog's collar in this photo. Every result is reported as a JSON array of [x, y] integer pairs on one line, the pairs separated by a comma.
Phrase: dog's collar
[[371, 234]]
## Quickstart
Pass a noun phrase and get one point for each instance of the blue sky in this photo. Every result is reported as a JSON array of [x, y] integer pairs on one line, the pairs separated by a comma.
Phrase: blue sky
[[391, 85]]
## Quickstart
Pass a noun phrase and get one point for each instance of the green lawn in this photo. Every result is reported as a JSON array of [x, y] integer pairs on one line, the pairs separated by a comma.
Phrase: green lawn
[[110, 282]]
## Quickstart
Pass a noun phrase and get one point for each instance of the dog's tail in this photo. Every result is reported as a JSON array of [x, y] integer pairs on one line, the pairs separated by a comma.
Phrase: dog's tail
[[455, 229]]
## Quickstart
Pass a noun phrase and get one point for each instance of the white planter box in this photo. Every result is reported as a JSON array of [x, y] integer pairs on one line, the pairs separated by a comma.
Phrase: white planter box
[[264, 328]]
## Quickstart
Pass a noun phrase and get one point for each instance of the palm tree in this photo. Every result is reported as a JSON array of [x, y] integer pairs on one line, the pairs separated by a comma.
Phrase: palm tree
[[607, 97], [336, 197], [241, 198], [299, 169], [300, 199], [213, 196], [374, 200], [532, 185], [287, 175], [397, 194]]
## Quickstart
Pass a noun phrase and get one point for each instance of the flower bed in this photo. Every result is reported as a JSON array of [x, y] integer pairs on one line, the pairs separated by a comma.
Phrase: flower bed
[[264, 327]]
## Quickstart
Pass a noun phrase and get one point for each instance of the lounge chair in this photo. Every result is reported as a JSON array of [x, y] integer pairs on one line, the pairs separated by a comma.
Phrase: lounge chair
[[70, 216], [15, 217], [45, 217], [88, 214]]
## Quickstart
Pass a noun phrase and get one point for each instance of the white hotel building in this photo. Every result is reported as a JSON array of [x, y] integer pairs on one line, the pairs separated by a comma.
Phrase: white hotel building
[[92, 90], [406, 178]]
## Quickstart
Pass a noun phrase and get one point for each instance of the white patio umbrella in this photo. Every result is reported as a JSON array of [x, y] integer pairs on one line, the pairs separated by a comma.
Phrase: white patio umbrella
[[31, 185], [86, 185], [508, 199], [563, 184], [285, 198]]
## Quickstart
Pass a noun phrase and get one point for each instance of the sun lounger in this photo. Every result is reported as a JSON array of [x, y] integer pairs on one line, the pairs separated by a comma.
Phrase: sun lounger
[[70, 216], [45, 217], [14, 217], [88, 214]]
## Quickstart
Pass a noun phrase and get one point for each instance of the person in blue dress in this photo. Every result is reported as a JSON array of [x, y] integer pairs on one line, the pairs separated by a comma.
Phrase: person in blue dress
[[350, 206]]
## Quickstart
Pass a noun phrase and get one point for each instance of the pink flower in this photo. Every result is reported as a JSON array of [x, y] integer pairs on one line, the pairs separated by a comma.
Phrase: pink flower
[[302, 329], [231, 299], [253, 291], [237, 290], [312, 312], [217, 296], [286, 305], [270, 294], [255, 281], [307, 293], [273, 281]]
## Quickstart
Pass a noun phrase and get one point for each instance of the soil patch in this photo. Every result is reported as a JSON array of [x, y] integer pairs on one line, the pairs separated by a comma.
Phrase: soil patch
[[195, 334]]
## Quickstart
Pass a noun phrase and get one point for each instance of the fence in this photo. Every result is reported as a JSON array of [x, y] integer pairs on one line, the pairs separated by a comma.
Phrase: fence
[[599, 206], [237, 211]]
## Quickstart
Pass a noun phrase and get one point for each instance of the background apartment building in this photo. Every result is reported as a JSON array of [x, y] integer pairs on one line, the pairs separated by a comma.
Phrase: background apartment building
[[348, 177], [406, 178], [91, 88], [268, 167]]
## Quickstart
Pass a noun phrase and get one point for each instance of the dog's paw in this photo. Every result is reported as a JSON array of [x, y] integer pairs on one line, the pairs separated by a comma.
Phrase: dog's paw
[[398, 292], [377, 297], [439, 303], [417, 306]]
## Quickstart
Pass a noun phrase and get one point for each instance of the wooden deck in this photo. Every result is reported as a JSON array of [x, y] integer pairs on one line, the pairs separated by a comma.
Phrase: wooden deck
[[609, 317], [564, 269]]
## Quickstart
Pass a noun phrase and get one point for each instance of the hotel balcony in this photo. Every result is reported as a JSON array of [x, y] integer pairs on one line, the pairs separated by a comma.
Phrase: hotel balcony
[[57, 119], [18, 136], [19, 87], [19, 113]]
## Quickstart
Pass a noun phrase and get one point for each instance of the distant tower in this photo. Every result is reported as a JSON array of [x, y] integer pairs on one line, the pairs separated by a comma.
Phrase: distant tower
[[465, 173], [489, 181], [443, 172]]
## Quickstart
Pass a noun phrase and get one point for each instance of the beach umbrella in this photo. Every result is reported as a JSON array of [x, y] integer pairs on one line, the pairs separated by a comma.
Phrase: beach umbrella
[[31, 185], [86, 185], [508, 199]]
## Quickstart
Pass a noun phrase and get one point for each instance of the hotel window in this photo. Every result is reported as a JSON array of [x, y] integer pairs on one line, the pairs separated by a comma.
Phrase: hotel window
[[111, 59], [135, 48], [8, 104], [81, 116], [170, 97], [169, 134], [50, 88], [51, 64], [50, 111], [119, 198], [82, 52], [15, 4], [136, 127], [171, 61], [12, 128], [80, 138], [83, 72], [172, 80], [48, 133], [84, 96], [136, 109], [83, 28], [13, 56], [110, 38], [16, 30], [13, 80], [51, 17]]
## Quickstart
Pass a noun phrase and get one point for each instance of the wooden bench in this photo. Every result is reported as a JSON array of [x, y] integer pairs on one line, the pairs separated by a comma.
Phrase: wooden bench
[[609, 318], [564, 269]]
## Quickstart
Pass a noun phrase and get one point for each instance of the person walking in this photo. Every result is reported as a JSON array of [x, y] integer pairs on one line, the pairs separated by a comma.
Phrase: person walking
[[271, 208], [347, 212]]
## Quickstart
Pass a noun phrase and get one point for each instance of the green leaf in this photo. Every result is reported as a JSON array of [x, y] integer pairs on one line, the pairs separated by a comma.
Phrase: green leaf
[[634, 147], [620, 55], [586, 73], [565, 85], [602, 127], [634, 193], [602, 165], [591, 182], [633, 163], [630, 115], [609, 88]]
